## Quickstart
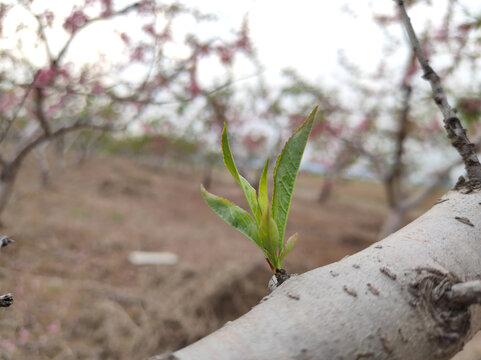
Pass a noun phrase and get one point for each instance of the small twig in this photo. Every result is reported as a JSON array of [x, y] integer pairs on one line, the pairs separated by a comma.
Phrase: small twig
[[465, 294], [6, 300], [4, 241], [456, 133]]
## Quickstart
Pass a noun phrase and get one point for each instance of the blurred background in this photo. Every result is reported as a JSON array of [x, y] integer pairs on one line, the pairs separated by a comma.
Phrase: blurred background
[[110, 119]]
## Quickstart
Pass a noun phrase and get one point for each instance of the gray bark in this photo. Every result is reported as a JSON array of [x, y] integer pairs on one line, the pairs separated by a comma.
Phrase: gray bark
[[7, 180], [389, 301]]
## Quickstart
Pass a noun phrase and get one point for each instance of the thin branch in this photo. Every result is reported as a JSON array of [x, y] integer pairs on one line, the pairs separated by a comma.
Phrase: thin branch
[[456, 133], [55, 134], [41, 31], [17, 111]]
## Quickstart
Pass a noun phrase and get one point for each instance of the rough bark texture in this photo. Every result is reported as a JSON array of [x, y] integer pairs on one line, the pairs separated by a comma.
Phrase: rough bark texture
[[390, 301]]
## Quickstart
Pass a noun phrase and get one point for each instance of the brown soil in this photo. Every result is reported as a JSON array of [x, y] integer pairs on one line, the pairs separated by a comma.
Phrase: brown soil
[[78, 297]]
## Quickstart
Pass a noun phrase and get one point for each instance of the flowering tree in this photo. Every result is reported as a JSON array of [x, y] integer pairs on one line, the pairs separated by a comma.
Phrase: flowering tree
[[387, 120], [48, 90]]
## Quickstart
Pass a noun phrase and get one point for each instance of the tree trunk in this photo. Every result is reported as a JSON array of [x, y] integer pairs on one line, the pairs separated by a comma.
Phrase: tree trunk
[[7, 180], [207, 176], [394, 220], [389, 301], [326, 190]]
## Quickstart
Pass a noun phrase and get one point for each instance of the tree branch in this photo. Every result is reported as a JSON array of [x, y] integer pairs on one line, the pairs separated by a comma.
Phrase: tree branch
[[55, 134], [456, 133], [17, 110], [39, 112], [465, 294]]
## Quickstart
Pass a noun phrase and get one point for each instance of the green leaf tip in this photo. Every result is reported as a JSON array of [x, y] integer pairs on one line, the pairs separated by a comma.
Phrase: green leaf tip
[[263, 198], [227, 155], [247, 189], [286, 171]]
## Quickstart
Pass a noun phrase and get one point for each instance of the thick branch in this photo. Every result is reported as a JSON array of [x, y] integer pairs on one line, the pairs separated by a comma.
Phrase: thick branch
[[454, 129], [389, 301]]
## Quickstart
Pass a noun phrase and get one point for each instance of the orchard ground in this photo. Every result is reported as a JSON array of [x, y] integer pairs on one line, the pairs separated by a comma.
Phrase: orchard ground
[[78, 297]]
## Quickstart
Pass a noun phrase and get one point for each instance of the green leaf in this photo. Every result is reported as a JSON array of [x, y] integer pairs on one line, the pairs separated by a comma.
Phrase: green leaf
[[249, 191], [285, 173], [233, 215], [263, 197], [227, 155], [251, 197], [287, 249], [269, 236]]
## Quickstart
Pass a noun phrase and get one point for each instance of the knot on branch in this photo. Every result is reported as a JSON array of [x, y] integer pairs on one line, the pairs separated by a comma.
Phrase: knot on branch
[[446, 324], [6, 300], [429, 73], [466, 149]]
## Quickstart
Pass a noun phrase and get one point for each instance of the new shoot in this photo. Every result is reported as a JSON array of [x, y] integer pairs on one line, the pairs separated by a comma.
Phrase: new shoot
[[266, 224]]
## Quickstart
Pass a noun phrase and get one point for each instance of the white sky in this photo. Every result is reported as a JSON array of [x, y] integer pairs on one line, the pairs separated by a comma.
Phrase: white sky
[[305, 35]]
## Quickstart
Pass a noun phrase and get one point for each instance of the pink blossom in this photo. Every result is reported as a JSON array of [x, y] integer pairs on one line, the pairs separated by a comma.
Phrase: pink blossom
[[125, 38], [166, 35], [147, 128], [7, 100], [97, 89], [138, 54], [225, 54], [146, 6], [8, 345], [3, 11], [442, 33], [245, 44], [45, 76], [52, 109], [149, 29], [54, 327], [107, 7], [194, 88], [464, 28], [24, 334], [49, 17], [75, 21], [385, 19]]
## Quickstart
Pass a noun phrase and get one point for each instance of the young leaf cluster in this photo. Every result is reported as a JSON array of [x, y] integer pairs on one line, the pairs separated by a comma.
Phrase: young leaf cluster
[[266, 224]]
